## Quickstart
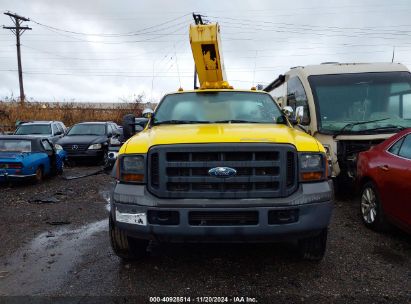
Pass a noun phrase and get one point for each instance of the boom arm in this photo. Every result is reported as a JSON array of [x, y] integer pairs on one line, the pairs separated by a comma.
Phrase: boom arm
[[206, 47]]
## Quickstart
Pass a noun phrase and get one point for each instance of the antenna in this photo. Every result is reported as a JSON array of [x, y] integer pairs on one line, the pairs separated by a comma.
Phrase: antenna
[[178, 70], [393, 53]]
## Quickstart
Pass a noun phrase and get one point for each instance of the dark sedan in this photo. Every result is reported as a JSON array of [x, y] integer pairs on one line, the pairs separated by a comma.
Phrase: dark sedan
[[88, 141], [384, 173]]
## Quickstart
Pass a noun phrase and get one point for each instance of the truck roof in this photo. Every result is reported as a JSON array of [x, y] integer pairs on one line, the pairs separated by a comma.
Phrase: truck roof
[[339, 68], [216, 90]]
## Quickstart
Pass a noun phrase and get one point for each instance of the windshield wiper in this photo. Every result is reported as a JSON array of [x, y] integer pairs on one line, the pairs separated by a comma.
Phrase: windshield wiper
[[235, 121], [178, 122], [349, 126], [390, 127]]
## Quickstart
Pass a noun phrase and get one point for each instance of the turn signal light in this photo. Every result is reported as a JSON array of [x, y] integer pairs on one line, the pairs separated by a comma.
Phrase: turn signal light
[[311, 176], [130, 177]]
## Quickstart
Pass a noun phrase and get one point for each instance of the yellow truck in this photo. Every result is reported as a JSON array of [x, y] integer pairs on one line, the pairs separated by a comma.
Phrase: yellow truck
[[218, 164]]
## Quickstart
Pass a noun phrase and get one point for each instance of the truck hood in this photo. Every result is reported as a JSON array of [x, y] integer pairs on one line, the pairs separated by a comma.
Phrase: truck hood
[[220, 133]]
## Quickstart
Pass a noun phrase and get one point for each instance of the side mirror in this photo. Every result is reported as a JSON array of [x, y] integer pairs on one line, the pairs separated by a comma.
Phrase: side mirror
[[132, 125], [147, 113], [288, 111], [58, 133], [295, 118], [280, 101], [299, 114], [140, 122]]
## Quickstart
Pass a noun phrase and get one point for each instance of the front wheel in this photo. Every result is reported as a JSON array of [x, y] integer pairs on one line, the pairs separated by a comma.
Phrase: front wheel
[[313, 248], [372, 213], [104, 159], [39, 175], [125, 247]]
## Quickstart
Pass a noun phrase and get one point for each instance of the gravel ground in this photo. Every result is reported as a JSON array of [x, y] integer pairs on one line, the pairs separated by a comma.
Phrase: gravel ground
[[74, 203], [75, 260]]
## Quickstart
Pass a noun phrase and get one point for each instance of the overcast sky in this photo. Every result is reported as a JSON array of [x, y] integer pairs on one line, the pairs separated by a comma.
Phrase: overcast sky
[[108, 51]]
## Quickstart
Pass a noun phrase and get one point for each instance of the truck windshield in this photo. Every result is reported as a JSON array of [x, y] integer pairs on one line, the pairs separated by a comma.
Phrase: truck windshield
[[8, 145], [362, 102], [33, 129], [218, 107]]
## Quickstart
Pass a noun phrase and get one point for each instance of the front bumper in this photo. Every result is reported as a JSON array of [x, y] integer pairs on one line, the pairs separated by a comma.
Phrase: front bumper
[[312, 202], [4, 177]]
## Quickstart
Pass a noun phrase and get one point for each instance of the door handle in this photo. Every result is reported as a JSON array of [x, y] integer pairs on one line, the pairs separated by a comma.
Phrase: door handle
[[384, 168]]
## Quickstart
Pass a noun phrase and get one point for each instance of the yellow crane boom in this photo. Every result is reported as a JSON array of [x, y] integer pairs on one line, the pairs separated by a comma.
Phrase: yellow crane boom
[[206, 47]]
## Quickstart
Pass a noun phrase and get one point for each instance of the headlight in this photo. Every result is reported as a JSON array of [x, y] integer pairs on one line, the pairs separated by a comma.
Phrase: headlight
[[58, 147], [131, 168], [312, 167], [95, 147]]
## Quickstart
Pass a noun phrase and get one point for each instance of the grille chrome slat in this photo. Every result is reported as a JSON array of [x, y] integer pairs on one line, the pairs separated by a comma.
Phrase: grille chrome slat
[[70, 148], [241, 164], [263, 170], [210, 179]]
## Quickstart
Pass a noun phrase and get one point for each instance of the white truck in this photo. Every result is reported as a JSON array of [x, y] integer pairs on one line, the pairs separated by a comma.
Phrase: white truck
[[348, 107]]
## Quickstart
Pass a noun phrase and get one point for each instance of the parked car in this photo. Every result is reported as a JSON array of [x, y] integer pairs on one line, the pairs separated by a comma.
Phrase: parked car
[[29, 157], [53, 130], [88, 141], [384, 174]]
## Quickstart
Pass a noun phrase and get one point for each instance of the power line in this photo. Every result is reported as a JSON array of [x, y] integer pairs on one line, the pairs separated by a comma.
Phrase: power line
[[305, 27], [303, 32], [133, 33], [119, 42]]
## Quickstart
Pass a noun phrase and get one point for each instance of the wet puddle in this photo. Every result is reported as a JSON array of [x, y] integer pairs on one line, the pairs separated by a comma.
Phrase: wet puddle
[[44, 263], [42, 266], [107, 198]]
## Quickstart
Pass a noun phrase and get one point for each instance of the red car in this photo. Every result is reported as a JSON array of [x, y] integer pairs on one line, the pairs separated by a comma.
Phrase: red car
[[384, 175]]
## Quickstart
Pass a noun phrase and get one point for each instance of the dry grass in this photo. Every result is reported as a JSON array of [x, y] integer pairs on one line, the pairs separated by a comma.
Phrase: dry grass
[[69, 113]]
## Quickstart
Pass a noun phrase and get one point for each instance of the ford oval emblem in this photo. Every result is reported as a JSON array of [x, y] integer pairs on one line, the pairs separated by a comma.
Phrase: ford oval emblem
[[222, 172]]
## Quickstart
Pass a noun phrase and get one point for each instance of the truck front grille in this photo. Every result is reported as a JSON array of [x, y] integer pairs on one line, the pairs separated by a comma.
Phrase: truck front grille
[[75, 148], [182, 171]]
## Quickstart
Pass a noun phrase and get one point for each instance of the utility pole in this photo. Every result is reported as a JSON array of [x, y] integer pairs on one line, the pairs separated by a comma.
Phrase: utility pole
[[18, 30]]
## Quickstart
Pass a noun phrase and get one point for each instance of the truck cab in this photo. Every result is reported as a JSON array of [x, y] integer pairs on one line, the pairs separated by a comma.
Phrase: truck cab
[[348, 107], [219, 164]]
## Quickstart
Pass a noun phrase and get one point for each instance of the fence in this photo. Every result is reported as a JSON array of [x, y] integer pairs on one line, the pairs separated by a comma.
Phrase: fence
[[70, 114]]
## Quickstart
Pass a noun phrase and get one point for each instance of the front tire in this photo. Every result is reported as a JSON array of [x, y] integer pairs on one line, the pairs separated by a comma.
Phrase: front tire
[[313, 248], [39, 175], [125, 247], [372, 213]]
